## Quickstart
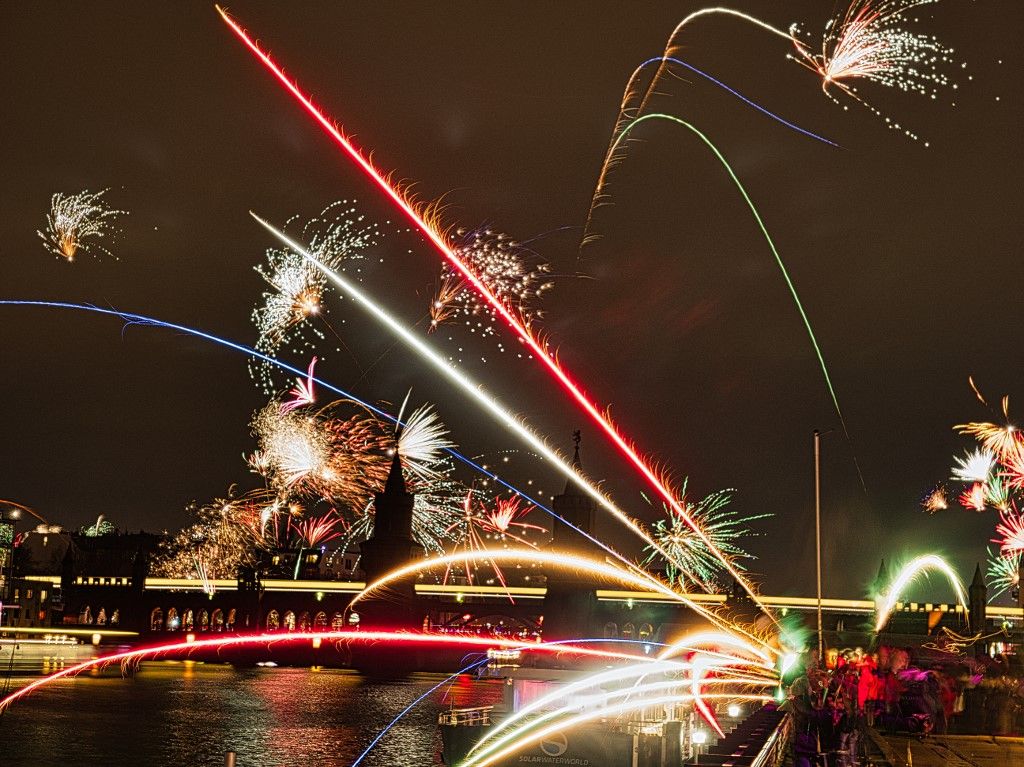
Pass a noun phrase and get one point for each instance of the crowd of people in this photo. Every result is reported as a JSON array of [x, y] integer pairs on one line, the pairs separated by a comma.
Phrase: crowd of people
[[831, 705]]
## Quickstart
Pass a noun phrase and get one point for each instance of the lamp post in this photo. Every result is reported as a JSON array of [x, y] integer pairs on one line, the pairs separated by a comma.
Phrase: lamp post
[[817, 537]]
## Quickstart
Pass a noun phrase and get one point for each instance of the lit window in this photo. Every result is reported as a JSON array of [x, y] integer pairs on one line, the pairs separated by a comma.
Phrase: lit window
[[42, 595], [28, 593]]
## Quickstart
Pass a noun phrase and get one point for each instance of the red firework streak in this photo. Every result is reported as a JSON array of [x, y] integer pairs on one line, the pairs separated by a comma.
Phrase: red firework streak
[[131, 656], [515, 323]]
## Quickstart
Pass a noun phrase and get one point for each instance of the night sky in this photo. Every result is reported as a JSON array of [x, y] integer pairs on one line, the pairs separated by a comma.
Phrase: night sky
[[907, 259]]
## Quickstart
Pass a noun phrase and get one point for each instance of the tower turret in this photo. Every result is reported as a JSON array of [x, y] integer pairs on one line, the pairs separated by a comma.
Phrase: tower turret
[[391, 544], [570, 601]]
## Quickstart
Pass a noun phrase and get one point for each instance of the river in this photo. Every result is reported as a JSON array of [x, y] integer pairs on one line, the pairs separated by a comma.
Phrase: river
[[177, 713]]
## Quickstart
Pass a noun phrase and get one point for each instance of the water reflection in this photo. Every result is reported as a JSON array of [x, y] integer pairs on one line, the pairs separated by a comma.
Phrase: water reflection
[[177, 713]]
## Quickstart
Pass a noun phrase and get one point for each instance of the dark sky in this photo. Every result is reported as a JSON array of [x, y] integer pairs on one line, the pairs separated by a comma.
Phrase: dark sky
[[907, 259]]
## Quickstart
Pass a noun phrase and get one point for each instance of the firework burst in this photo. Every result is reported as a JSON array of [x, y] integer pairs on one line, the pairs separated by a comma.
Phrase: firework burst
[[1003, 572], [340, 237], [486, 527], [515, 275], [936, 500], [507, 516], [315, 531], [973, 497], [974, 467], [870, 42], [215, 545], [691, 559], [319, 455], [422, 443], [77, 222], [1011, 533]]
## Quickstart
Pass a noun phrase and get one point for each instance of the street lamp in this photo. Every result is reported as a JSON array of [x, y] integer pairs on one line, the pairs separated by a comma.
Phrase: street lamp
[[699, 738], [817, 535]]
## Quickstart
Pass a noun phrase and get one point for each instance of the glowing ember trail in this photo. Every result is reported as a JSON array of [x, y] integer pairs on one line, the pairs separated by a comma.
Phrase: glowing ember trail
[[771, 245], [907, 575], [539, 349], [557, 559], [476, 392], [131, 318], [129, 657]]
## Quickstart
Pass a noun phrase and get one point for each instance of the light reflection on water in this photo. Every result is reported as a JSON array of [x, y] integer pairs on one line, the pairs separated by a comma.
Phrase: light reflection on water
[[188, 714]]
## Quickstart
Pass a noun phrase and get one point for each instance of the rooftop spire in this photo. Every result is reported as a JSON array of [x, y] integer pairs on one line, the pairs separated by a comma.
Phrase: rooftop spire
[[396, 480], [978, 579]]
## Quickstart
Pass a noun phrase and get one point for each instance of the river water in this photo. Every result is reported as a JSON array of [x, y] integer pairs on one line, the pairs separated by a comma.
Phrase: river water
[[174, 713]]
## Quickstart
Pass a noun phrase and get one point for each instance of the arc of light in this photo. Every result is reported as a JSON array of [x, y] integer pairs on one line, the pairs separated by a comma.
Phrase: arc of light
[[482, 398], [560, 559], [768, 238], [539, 349], [691, 643], [911, 571], [604, 677], [621, 120], [21, 507], [602, 713], [662, 665], [141, 319], [670, 45], [520, 734], [592, 566], [219, 643], [466, 669]]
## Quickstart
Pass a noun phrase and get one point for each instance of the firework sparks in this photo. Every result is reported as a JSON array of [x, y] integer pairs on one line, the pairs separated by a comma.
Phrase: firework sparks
[[478, 525], [319, 455], [508, 514], [216, 544], [269, 510], [76, 222], [338, 236], [514, 275], [936, 500], [997, 493], [974, 467], [973, 498], [907, 575], [1003, 572], [1011, 533], [691, 560], [535, 345], [422, 443], [303, 394], [869, 42], [315, 531], [1013, 470]]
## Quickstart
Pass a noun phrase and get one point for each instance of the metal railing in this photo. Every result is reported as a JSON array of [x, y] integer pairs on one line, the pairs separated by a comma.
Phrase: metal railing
[[773, 754]]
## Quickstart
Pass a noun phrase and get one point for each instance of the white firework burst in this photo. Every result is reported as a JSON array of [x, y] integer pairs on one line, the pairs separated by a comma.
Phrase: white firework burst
[[77, 222], [338, 238]]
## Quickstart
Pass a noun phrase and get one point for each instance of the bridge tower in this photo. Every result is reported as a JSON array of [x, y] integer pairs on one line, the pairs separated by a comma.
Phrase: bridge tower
[[390, 546], [570, 601]]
